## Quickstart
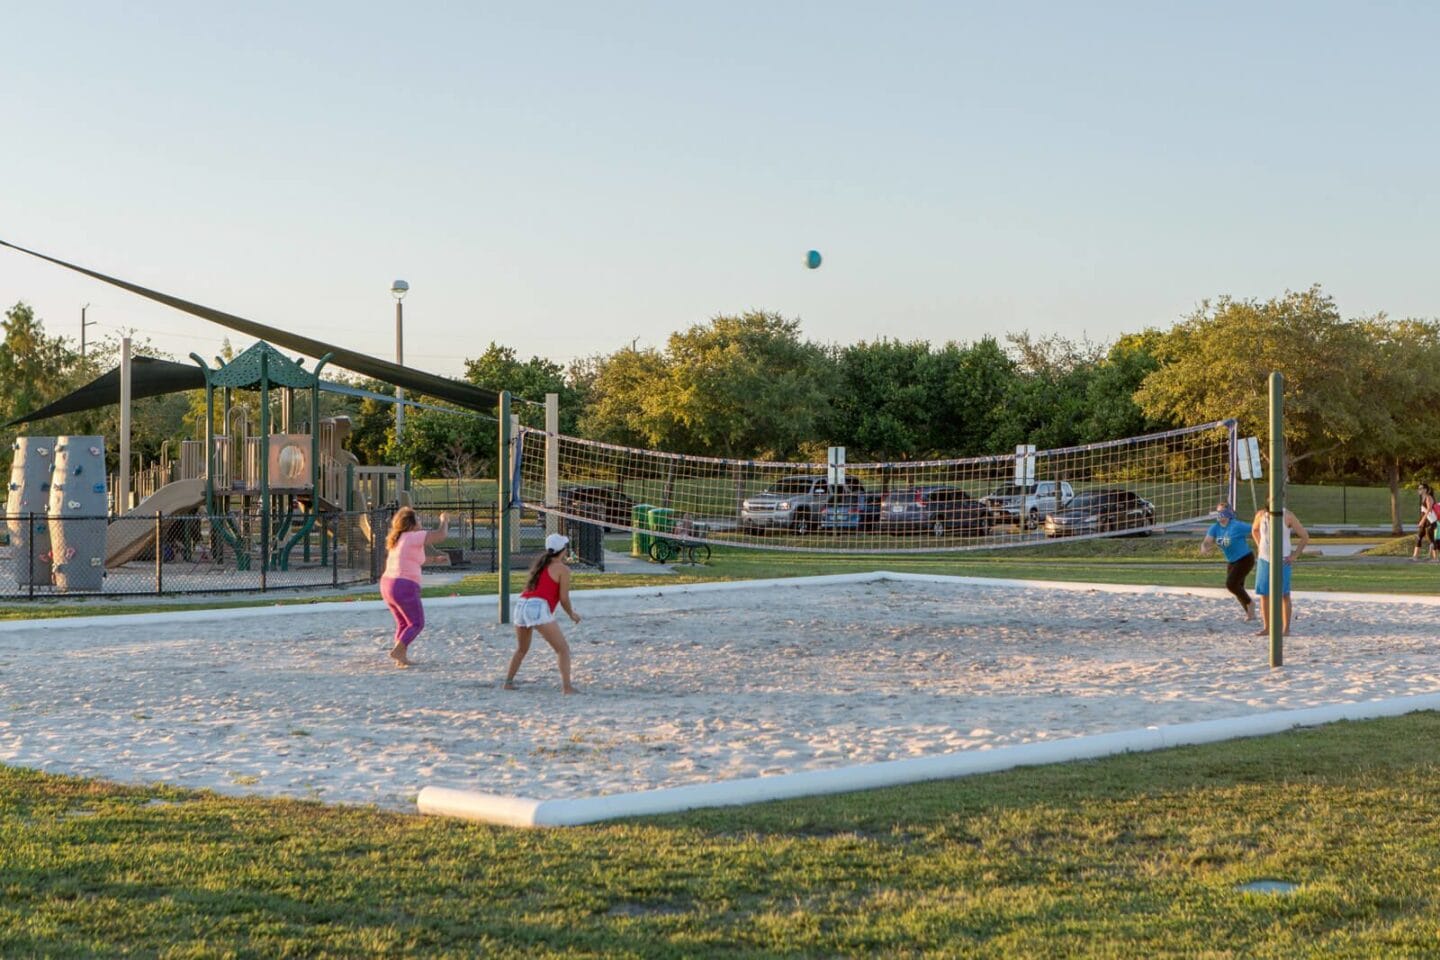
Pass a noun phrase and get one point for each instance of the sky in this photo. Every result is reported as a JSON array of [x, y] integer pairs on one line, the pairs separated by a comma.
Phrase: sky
[[567, 179]]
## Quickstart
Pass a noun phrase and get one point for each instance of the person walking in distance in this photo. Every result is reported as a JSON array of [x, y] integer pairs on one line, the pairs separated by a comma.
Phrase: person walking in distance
[[1232, 536], [400, 584], [547, 587], [1425, 527], [1293, 538]]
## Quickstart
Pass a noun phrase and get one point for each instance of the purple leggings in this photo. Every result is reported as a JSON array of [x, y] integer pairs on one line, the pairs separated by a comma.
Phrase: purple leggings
[[403, 598]]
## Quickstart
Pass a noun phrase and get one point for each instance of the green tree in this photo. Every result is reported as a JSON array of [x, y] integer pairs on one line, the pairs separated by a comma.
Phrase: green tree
[[1398, 363], [34, 367], [1111, 412], [372, 427], [888, 398], [1215, 365], [446, 442], [625, 403], [978, 378], [746, 386], [1046, 404]]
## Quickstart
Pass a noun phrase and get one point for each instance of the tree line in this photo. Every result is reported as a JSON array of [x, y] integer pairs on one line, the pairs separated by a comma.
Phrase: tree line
[[1358, 392]]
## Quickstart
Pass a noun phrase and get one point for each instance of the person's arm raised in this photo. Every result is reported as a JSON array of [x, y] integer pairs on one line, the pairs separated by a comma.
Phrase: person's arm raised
[[442, 532]]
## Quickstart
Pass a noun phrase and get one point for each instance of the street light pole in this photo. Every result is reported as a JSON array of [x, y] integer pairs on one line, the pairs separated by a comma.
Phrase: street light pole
[[398, 289], [83, 324]]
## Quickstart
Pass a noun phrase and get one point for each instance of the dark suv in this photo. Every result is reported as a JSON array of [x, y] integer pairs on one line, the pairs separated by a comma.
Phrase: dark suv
[[938, 509], [607, 505]]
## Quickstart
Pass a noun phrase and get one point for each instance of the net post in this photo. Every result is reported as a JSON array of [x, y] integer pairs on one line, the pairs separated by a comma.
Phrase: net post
[[552, 462], [1232, 493], [502, 487], [1276, 507], [514, 543]]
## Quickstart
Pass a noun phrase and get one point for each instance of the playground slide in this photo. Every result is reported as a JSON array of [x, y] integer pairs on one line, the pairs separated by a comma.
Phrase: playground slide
[[135, 531]]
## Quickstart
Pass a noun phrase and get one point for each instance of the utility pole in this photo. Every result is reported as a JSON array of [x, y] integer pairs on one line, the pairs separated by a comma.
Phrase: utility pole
[[83, 324], [398, 290]]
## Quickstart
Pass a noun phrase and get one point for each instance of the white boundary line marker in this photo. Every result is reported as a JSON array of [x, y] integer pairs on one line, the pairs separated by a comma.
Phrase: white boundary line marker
[[525, 812]]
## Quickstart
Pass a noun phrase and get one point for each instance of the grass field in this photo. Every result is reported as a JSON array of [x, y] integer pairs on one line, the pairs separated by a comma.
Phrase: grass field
[[1132, 856]]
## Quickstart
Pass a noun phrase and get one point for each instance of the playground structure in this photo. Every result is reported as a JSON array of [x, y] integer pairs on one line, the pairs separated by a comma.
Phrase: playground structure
[[263, 496], [264, 493]]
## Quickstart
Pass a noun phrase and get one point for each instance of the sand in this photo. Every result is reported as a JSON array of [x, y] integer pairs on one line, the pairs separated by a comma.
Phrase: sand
[[677, 687]]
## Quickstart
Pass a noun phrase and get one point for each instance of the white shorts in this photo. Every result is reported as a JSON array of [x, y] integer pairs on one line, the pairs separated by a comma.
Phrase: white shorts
[[531, 612]]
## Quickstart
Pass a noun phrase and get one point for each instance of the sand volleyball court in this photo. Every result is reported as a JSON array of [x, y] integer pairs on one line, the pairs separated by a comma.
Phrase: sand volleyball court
[[678, 686]]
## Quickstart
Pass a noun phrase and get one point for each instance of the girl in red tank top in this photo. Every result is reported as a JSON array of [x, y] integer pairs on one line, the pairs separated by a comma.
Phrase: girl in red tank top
[[547, 588]]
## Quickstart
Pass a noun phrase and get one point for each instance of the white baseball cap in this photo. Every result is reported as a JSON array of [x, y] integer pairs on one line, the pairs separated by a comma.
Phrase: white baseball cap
[[556, 542]]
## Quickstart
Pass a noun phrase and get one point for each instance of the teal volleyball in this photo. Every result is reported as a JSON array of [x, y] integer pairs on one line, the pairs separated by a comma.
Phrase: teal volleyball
[[812, 259]]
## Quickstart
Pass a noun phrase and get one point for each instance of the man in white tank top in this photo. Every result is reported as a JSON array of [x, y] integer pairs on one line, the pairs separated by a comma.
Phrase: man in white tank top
[[1293, 538]]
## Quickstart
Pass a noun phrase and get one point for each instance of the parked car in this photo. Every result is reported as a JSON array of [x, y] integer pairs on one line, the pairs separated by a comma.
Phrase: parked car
[[1101, 511], [604, 504], [1027, 504], [791, 503], [851, 510], [939, 510]]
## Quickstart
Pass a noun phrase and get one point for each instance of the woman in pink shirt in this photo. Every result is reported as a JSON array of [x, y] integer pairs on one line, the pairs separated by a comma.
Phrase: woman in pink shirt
[[400, 584]]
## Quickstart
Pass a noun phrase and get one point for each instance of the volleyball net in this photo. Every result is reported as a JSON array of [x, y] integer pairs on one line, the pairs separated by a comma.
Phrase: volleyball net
[[1121, 487]]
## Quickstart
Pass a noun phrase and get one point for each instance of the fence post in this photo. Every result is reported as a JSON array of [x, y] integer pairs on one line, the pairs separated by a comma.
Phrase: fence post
[[472, 524], [503, 501], [1344, 508], [264, 522], [159, 556], [30, 546], [334, 551]]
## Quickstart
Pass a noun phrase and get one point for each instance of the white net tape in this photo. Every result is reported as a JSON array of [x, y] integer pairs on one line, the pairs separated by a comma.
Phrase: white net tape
[[1120, 487]]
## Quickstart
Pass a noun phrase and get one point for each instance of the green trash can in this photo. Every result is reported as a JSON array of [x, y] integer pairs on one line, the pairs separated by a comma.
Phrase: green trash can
[[640, 538]]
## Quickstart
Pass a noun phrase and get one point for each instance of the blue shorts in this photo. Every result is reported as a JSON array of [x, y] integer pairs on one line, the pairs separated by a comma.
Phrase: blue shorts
[[1262, 579]]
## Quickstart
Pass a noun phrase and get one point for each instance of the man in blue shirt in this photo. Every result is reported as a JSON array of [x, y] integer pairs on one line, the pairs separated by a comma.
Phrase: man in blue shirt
[[1232, 536]]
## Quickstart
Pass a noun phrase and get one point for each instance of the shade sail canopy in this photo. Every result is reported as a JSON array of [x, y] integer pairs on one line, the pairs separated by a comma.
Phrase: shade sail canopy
[[152, 377], [149, 377], [464, 395]]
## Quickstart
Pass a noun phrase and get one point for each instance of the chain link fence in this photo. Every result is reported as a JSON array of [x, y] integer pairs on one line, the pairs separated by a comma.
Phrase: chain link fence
[[44, 556]]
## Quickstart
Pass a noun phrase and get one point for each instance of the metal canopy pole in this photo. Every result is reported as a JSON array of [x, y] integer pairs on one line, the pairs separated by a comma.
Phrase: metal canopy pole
[[502, 519]]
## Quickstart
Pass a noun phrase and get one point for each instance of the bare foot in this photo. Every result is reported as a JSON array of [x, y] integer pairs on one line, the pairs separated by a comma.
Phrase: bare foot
[[1262, 631], [1250, 610], [397, 653], [508, 685], [570, 690]]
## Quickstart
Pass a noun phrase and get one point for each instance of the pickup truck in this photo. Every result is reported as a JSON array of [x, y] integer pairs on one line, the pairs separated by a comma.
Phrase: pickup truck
[[791, 503], [1027, 505]]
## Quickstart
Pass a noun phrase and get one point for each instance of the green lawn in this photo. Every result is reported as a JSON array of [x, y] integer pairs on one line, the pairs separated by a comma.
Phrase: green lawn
[[1132, 856]]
